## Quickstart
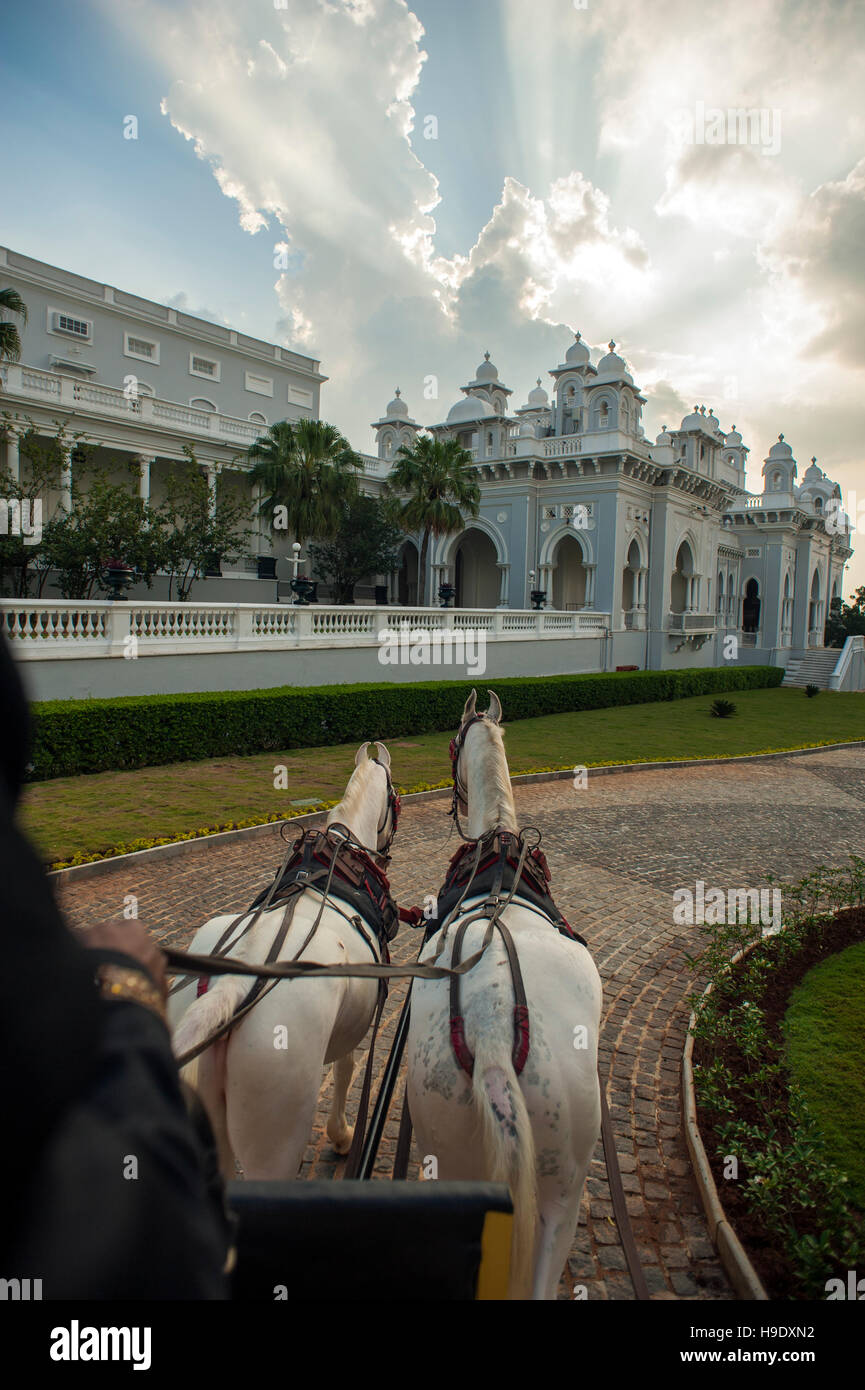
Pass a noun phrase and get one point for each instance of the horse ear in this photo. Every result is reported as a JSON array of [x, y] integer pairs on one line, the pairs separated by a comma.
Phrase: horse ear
[[469, 709], [361, 754], [383, 754], [495, 710]]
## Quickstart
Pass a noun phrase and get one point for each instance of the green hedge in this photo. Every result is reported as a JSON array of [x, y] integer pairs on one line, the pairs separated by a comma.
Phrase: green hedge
[[76, 736]]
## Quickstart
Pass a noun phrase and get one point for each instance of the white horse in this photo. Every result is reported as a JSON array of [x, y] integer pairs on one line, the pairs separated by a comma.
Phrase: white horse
[[260, 1083], [537, 1132]]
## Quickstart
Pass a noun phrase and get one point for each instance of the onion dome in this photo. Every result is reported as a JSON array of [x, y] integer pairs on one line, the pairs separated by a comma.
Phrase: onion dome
[[577, 354], [487, 371], [538, 397], [780, 451], [470, 408], [396, 408], [733, 439]]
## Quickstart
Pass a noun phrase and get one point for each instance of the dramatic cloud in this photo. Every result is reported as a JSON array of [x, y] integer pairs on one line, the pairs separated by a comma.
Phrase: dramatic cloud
[[682, 188]]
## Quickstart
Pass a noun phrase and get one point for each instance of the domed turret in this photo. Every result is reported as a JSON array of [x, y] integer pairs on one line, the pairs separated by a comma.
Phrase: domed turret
[[538, 398], [487, 371], [779, 468], [577, 354], [470, 408], [612, 366]]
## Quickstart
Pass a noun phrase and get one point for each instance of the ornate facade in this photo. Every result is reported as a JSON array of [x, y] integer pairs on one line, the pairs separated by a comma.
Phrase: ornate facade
[[663, 536]]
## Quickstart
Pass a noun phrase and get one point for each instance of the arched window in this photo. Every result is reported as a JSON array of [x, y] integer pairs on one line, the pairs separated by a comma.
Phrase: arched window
[[818, 504], [751, 607], [776, 481], [202, 403], [257, 418], [720, 591]]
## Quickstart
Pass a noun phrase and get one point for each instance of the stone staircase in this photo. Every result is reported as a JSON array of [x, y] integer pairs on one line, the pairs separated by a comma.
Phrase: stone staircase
[[812, 667]]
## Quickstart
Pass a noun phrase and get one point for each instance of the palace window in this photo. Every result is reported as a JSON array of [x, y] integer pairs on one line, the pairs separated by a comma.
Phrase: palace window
[[146, 349], [69, 325], [204, 366]]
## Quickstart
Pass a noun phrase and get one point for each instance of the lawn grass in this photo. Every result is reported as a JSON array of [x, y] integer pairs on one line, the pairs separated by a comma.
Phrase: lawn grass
[[824, 1028], [93, 814]]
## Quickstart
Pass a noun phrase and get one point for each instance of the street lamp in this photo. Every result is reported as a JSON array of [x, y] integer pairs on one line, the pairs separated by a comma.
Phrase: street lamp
[[301, 586], [538, 596]]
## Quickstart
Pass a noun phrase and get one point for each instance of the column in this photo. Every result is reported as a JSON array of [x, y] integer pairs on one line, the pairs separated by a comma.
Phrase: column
[[212, 470], [144, 464], [13, 457], [504, 578], [66, 479], [590, 586]]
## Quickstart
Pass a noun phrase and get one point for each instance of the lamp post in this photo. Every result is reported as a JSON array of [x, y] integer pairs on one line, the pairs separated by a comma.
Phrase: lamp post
[[301, 586], [538, 596]]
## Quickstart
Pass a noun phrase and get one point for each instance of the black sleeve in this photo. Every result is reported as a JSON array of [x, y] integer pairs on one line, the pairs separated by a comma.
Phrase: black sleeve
[[121, 1208]]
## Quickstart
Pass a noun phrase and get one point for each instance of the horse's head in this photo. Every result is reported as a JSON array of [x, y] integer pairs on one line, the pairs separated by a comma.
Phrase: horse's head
[[470, 717], [388, 803]]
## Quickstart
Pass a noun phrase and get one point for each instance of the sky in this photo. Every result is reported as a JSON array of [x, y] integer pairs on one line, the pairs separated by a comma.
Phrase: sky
[[397, 189]]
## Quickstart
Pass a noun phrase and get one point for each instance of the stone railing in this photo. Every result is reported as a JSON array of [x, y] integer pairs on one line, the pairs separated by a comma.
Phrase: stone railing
[[44, 629], [41, 387], [849, 673], [691, 622]]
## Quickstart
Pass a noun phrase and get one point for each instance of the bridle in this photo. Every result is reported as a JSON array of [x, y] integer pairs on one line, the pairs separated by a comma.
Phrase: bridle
[[391, 813]]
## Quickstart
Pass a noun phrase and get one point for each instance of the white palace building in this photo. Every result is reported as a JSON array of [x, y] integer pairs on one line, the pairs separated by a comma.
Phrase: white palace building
[[649, 554]]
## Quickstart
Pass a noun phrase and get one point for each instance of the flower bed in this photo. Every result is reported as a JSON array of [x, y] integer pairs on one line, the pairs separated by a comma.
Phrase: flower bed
[[790, 1207]]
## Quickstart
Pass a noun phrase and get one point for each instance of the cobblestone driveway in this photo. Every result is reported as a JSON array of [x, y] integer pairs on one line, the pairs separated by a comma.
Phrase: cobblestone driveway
[[616, 850]]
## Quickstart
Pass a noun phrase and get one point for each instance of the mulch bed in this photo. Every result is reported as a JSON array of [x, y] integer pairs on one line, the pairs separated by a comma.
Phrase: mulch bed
[[847, 928]]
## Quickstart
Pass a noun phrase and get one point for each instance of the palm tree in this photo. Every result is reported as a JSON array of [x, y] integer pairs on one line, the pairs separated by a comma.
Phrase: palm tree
[[437, 487], [310, 469], [10, 338]]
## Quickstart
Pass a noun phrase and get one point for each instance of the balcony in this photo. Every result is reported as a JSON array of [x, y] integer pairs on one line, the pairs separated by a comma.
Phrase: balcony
[[635, 620], [691, 622], [31, 384]]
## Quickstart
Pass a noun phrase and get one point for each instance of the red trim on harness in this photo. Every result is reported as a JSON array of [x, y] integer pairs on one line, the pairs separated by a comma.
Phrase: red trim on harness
[[203, 982], [460, 1046], [414, 915]]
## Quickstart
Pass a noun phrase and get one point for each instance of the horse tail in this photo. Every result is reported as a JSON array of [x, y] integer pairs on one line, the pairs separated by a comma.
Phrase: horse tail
[[509, 1151], [205, 1016]]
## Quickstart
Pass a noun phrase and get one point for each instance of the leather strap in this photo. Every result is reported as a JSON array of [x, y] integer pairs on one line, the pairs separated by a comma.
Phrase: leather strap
[[620, 1205]]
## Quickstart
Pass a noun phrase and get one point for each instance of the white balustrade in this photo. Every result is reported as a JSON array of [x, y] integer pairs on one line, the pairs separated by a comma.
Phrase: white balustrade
[[39, 629], [32, 383]]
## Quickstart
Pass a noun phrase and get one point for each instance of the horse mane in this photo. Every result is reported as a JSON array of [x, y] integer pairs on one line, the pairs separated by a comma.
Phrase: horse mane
[[497, 792]]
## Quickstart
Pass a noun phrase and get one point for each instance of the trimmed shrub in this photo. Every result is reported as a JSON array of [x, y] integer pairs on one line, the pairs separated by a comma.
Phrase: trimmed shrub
[[80, 736], [811, 691]]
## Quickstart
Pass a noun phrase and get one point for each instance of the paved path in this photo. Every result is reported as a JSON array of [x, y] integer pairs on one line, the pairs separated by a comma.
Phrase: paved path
[[617, 850]]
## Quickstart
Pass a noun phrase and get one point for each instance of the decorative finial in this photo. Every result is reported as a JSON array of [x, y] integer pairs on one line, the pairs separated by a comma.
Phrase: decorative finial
[[814, 458], [539, 381], [612, 346], [398, 393], [702, 410], [578, 336], [733, 428], [486, 357], [663, 429], [780, 439], [696, 410], [711, 411]]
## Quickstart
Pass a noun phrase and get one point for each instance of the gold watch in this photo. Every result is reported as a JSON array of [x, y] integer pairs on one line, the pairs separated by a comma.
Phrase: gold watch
[[120, 982]]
